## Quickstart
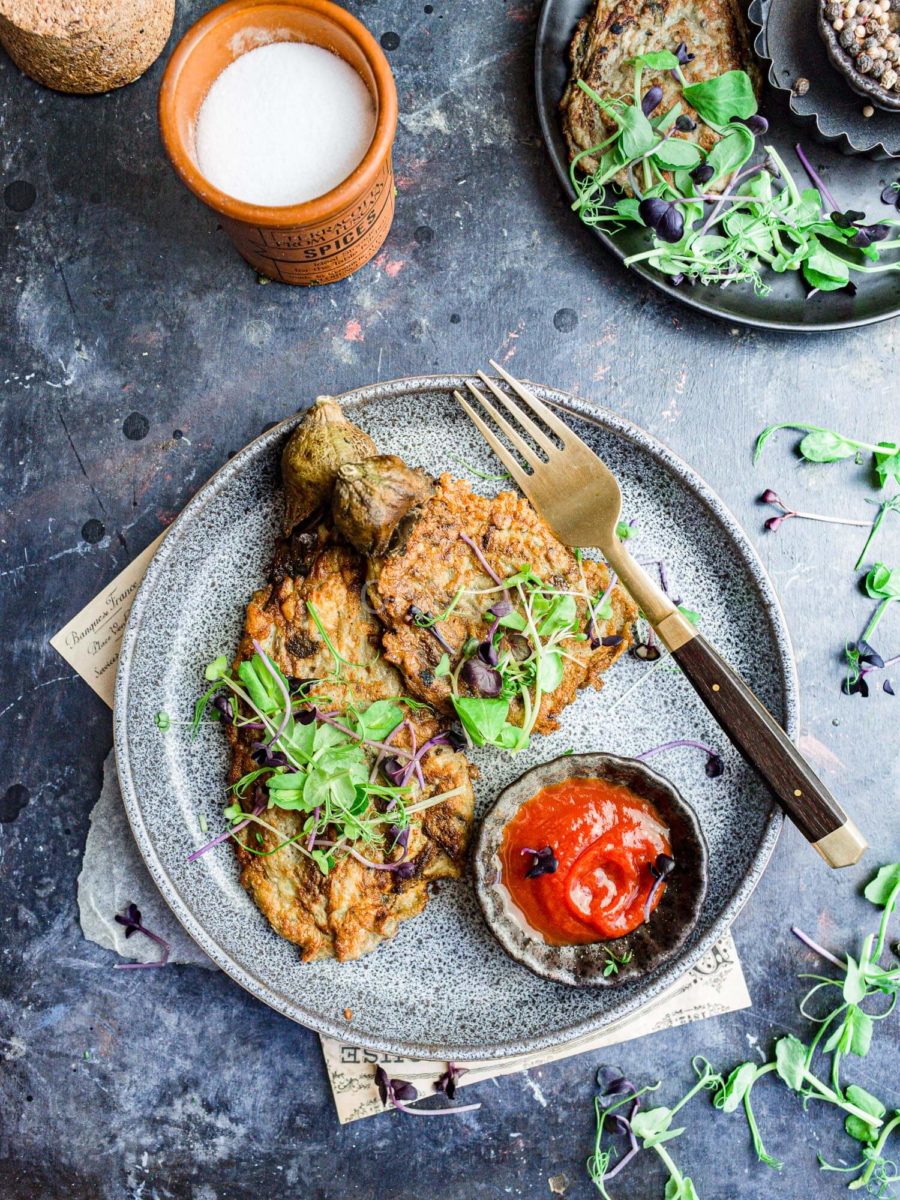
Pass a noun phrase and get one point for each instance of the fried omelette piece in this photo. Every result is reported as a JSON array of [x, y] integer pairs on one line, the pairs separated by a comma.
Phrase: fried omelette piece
[[611, 33], [432, 562], [349, 912]]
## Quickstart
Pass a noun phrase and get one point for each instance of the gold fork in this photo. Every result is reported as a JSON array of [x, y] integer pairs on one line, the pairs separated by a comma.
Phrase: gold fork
[[580, 499]]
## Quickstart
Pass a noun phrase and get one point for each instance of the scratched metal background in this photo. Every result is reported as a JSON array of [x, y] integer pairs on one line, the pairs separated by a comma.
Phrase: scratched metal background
[[137, 352]]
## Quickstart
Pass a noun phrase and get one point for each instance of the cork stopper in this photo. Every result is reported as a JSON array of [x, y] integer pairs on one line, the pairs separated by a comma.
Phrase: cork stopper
[[85, 46]]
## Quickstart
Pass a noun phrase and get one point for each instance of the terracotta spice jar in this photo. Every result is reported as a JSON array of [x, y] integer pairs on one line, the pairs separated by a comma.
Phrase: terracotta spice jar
[[321, 240]]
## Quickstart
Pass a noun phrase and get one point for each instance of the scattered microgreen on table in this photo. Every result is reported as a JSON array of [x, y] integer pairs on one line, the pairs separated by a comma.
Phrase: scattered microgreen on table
[[864, 993], [881, 583]]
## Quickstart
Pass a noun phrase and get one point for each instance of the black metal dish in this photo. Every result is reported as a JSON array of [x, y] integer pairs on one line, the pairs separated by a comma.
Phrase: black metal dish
[[854, 181], [829, 112]]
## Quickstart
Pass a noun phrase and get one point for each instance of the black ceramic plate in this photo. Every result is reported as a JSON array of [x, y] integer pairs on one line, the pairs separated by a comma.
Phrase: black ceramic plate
[[854, 181]]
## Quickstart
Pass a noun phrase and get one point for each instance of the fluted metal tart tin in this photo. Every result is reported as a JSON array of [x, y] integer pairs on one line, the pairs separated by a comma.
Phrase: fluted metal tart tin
[[789, 43]]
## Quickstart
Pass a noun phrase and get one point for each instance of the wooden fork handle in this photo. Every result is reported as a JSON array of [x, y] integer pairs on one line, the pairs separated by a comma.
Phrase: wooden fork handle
[[767, 748]]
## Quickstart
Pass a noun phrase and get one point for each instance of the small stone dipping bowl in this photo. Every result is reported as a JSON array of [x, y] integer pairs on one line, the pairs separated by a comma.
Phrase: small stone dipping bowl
[[321, 240], [651, 944]]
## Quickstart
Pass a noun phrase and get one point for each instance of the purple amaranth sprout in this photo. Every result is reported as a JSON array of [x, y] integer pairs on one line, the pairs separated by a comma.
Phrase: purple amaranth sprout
[[757, 124], [544, 862], [131, 919], [447, 1082], [400, 1094], [715, 764], [222, 837], [651, 100], [425, 620], [660, 870], [663, 217], [774, 523]]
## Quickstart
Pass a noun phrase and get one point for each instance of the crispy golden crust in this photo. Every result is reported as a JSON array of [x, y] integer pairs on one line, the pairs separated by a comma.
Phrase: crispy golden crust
[[610, 34], [433, 562], [353, 909]]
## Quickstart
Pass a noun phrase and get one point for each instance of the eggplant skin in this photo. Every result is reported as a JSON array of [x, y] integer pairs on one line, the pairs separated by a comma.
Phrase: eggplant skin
[[610, 34]]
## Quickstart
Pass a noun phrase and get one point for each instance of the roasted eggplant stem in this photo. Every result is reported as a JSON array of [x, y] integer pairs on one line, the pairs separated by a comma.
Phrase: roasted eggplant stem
[[323, 441], [372, 497]]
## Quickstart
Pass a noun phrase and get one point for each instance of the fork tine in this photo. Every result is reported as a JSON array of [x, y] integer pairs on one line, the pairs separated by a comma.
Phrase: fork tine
[[549, 418], [519, 442], [515, 410], [520, 476]]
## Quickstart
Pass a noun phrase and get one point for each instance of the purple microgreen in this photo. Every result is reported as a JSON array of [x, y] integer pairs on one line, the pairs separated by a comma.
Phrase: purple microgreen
[[888, 687], [447, 1082], [613, 639], [867, 235], [400, 1094], [816, 948], [647, 651], [317, 812], [702, 174], [404, 867], [774, 523], [663, 217], [891, 195], [424, 620], [682, 54], [544, 862], [264, 756], [393, 770], [757, 124], [483, 679], [684, 124], [715, 764], [501, 609], [222, 837], [651, 100], [476, 550], [131, 919], [848, 218], [817, 181], [660, 870], [223, 705]]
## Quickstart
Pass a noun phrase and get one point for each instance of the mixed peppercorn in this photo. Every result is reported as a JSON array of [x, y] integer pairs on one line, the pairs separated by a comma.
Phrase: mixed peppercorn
[[867, 34]]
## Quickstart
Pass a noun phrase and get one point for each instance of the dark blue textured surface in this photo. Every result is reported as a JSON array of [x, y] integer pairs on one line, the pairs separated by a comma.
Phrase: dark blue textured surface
[[138, 351]]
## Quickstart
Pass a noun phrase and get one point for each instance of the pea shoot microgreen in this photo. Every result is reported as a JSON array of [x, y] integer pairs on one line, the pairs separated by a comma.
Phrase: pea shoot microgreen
[[355, 789], [532, 628], [715, 217], [864, 993], [820, 445]]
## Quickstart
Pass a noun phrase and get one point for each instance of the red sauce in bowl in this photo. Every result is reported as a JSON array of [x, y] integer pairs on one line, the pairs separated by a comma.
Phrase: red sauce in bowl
[[605, 838]]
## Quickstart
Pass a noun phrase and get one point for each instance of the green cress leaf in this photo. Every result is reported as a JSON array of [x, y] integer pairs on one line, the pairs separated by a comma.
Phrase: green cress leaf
[[825, 446], [854, 989], [550, 671], [514, 621], [217, 669], [162, 720], [887, 462], [882, 583], [880, 889], [443, 667], [754, 235], [737, 1085], [859, 1129], [380, 719], [656, 60], [482, 719], [676, 154], [637, 134], [651, 1124], [717, 100], [824, 270], [562, 614], [790, 1059], [859, 1036], [731, 151]]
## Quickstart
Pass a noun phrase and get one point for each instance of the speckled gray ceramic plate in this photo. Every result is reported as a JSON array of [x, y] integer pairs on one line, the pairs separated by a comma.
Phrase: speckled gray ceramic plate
[[443, 988]]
